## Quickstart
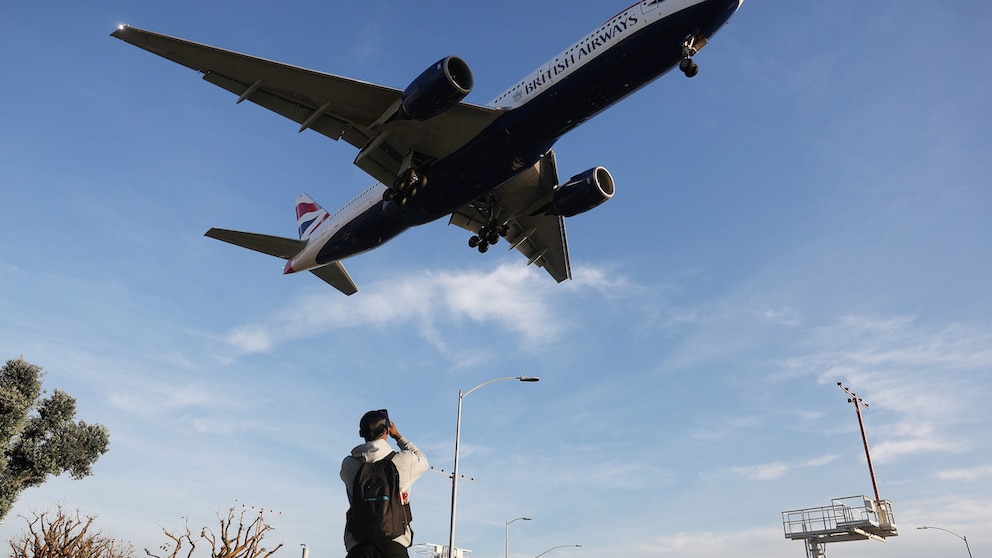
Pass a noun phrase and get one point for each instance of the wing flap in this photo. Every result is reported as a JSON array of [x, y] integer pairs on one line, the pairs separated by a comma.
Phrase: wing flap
[[324, 124]]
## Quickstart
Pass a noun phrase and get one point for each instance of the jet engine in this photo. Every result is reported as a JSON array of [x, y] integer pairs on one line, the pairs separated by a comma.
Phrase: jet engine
[[436, 90], [582, 192]]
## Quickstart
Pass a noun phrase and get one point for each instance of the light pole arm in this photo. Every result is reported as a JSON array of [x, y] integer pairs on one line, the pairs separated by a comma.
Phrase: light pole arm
[[559, 546], [521, 378], [962, 537]]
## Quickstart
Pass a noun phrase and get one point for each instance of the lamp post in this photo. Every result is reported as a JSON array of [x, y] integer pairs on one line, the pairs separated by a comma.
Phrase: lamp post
[[506, 547], [554, 547], [458, 433], [965, 539]]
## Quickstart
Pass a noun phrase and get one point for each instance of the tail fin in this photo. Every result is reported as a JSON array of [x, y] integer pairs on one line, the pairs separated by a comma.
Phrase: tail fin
[[309, 215]]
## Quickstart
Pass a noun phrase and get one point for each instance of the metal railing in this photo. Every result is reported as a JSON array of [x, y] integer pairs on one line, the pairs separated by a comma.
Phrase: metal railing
[[842, 515]]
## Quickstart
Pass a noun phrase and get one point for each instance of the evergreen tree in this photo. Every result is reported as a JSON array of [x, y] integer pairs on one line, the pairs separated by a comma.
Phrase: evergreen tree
[[38, 434]]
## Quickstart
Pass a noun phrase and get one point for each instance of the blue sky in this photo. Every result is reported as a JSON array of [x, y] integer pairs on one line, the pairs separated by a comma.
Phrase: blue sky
[[813, 207]]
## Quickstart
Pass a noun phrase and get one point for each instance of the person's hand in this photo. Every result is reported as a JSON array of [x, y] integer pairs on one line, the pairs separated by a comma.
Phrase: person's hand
[[393, 432]]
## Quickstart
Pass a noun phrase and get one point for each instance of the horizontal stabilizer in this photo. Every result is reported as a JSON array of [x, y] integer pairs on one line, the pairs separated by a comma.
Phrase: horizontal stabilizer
[[277, 246], [335, 275]]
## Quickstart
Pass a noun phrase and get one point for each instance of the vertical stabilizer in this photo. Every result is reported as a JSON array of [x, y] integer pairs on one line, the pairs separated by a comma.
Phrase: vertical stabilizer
[[309, 215]]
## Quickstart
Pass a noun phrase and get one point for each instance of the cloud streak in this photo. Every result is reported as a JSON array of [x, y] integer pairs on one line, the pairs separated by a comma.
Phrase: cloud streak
[[967, 475], [518, 300], [778, 469]]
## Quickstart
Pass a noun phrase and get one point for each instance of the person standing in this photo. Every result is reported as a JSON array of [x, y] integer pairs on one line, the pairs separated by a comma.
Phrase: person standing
[[375, 428]]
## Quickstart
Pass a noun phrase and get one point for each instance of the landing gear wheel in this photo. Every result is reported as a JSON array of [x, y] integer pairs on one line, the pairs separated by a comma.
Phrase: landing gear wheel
[[405, 187], [414, 179], [489, 232], [688, 67]]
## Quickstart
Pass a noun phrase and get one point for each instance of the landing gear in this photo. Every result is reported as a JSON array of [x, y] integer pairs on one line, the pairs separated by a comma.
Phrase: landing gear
[[406, 185], [488, 235], [688, 67], [690, 47]]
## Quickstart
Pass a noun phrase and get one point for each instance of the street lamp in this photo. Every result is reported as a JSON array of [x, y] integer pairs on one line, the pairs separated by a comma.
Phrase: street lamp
[[965, 539], [458, 433], [554, 547], [506, 547]]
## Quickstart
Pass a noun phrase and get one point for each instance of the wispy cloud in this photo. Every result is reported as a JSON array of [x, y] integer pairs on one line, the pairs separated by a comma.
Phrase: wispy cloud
[[916, 378], [514, 298], [153, 398], [891, 450], [973, 474], [703, 543], [778, 469], [717, 428]]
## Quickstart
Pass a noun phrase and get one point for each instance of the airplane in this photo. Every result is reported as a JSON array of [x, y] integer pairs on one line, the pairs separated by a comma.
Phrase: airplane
[[491, 169]]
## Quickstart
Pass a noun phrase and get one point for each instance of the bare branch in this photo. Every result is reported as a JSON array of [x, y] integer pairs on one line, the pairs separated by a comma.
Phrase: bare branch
[[64, 535]]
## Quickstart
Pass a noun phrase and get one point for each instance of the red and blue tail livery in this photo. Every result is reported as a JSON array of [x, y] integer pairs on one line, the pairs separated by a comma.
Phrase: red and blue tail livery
[[309, 216], [489, 168]]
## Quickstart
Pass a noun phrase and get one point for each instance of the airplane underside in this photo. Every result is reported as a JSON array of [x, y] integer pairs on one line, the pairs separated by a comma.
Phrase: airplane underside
[[520, 138], [490, 168]]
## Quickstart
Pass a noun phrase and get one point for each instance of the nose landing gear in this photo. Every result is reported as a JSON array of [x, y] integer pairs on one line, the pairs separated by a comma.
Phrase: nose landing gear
[[690, 47]]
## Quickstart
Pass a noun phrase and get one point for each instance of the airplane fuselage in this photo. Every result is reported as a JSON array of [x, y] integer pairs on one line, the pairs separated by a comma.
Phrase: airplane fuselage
[[630, 50]]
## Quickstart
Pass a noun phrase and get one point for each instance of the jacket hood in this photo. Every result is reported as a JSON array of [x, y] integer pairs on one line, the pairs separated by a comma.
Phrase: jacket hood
[[370, 452]]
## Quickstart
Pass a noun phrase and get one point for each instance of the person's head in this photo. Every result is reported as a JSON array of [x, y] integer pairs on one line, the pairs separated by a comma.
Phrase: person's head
[[374, 425]]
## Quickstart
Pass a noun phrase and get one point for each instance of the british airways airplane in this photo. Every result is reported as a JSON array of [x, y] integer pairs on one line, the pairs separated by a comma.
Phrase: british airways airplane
[[490, 168]]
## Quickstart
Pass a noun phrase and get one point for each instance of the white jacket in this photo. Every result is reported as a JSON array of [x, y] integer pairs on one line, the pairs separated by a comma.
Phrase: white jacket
[[410, 464]]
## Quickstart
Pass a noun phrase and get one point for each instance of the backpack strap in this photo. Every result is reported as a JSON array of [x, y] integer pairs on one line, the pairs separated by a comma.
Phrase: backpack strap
[[407, 512]]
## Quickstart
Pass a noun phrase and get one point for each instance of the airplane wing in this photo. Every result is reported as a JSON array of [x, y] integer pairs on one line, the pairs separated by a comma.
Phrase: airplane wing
[[520, 203], [337, 107]]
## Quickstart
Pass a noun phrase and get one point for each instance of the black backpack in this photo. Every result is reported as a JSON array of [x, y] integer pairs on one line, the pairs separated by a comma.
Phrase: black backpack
[[377, 511]]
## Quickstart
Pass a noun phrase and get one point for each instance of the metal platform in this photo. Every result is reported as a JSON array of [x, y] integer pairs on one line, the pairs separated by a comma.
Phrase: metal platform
[[429, 550], [854, 518]]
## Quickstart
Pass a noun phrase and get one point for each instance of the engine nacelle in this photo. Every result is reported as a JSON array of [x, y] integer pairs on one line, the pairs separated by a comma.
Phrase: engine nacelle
[[583, 192], [436, 90]]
